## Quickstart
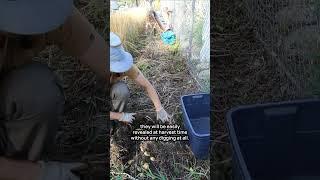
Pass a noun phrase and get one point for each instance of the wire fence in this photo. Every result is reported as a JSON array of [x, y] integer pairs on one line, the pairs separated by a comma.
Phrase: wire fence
[[290, 32], [190, 20]]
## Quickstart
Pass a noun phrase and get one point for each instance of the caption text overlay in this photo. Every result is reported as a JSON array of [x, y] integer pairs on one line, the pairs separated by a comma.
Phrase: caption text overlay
[[159, 132]]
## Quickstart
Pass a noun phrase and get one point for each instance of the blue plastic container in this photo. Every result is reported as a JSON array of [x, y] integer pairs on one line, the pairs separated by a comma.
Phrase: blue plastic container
[[279, 141], [196, 117]]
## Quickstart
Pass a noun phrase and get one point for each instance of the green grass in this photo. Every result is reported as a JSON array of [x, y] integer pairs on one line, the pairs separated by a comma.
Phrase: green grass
[[194, 173], [159, 176], [188, 172]]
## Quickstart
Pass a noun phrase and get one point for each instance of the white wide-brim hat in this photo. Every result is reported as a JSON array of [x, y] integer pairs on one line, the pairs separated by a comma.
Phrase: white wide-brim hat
[[120, 60], [114, 40], [30, 17]]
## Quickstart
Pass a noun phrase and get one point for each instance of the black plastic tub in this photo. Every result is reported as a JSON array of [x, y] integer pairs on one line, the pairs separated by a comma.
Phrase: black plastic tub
[[279, 141]]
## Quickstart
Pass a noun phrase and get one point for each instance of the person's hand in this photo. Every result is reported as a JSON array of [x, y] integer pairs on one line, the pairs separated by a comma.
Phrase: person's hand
[[162, 115], [57, 170], [127, 117]]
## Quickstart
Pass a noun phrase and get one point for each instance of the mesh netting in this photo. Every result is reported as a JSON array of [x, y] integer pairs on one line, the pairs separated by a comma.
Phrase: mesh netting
[[289, 30], [190, 20]]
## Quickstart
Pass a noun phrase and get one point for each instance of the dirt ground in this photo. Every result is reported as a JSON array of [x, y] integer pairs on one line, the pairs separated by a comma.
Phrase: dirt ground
[[243, 74]]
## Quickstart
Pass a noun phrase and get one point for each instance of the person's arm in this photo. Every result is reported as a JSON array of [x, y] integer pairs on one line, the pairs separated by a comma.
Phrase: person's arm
[[115, 115], [26, 169], [96, 56], [78, 38], [152, 93], [122, 116]]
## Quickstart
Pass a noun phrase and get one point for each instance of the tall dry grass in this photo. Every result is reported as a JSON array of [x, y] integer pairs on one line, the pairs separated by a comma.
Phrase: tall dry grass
[[129, 25]]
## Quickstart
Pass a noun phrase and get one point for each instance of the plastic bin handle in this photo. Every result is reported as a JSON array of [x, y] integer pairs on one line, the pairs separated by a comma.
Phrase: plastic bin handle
[[280, 111], [197, 96]]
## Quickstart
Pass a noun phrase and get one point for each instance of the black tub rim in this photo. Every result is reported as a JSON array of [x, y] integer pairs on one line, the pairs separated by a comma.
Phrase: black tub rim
[[231, 130]]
